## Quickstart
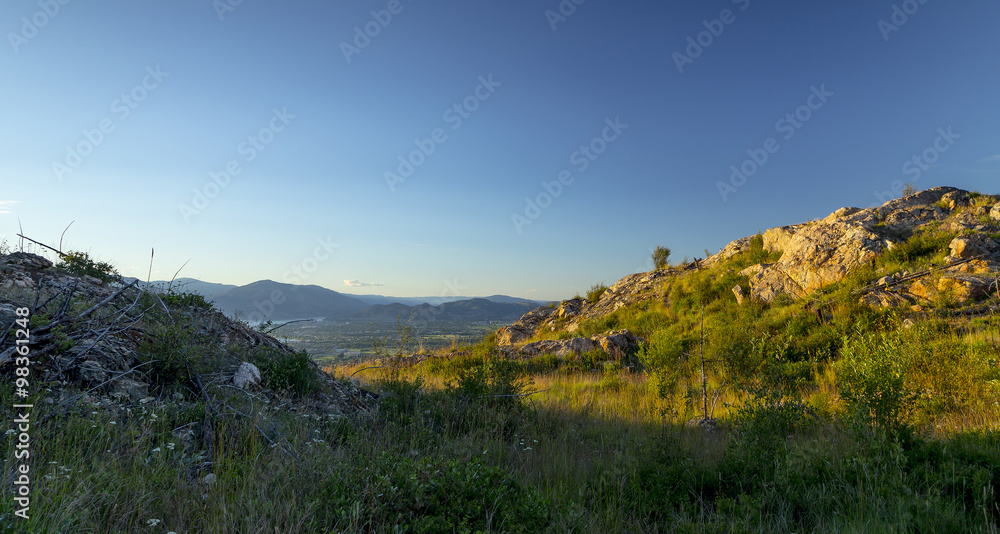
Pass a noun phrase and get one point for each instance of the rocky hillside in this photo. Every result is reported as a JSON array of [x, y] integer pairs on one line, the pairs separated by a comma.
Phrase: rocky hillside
[[101, 338], [952, 233]]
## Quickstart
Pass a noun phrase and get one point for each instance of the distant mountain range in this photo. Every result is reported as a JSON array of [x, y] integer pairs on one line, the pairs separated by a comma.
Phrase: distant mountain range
[[266, 299], [476, 309]]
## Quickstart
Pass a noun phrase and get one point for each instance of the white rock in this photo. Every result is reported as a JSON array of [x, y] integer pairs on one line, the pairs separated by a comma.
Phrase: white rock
[[248, 375]]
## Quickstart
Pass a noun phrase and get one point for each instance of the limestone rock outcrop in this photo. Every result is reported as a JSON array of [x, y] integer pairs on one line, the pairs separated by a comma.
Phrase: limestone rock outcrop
[[617, 343], [823, 252]]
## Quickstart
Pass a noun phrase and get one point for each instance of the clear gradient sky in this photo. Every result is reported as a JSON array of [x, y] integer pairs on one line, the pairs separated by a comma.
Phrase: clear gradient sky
[[839, 97]]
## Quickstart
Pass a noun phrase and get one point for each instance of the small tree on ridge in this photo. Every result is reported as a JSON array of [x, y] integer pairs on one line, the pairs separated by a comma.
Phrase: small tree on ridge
[[660, 256]]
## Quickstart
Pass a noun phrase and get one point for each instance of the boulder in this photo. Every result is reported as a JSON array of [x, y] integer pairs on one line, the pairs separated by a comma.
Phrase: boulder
[[616, 343], [841, 213], [738, 291], [564, 347], [768, 281], [955, 199], [995, 212], [962, 288], [735, 247], [525, 327], [824, 253], [92, 373], [881, 298], [569, 308], [8, 314], [973, 267], [776, 239], [513, 334], [969, 246], [247, 376], [24, 261], [958, 287], [133, 389]]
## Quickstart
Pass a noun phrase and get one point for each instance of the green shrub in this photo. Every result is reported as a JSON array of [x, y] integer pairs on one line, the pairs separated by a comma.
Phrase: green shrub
[[184, 298], [80, 263], [660, 257], [174, 358], [872, 380], [430, 495], [492, 376], [770, 411], [287, 371], [595, 292]]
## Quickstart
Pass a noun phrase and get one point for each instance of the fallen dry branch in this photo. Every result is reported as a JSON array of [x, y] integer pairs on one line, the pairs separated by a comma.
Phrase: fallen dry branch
[[873, 287]]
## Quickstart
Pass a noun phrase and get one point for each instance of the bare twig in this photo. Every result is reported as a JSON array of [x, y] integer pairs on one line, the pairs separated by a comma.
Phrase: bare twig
[[57, 251], [288, 323], [69, 297], [366, 369], [872, 287], [207, 433], [63, 234], [95, 307], [716, 398], [172, 278], [518, 395], [38, 293]]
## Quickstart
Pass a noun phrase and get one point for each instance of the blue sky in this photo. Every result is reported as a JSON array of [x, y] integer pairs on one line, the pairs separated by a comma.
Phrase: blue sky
[[832, 100]]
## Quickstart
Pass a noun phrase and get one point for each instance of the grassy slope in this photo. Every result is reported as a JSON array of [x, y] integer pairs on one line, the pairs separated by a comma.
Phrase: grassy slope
[[842, 420]]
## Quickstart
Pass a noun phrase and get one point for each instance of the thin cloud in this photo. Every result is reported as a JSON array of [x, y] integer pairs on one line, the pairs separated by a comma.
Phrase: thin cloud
[[359, 283], [993, 158], [7, 205]]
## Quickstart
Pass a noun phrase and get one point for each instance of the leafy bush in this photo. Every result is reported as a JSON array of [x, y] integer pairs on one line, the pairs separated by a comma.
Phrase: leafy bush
[[767, 415], [430, 495], [872, 381], [287, 371], [492, 376], [595, 292], [660, 257], [185, 298], [174, 358], [80, 263]]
